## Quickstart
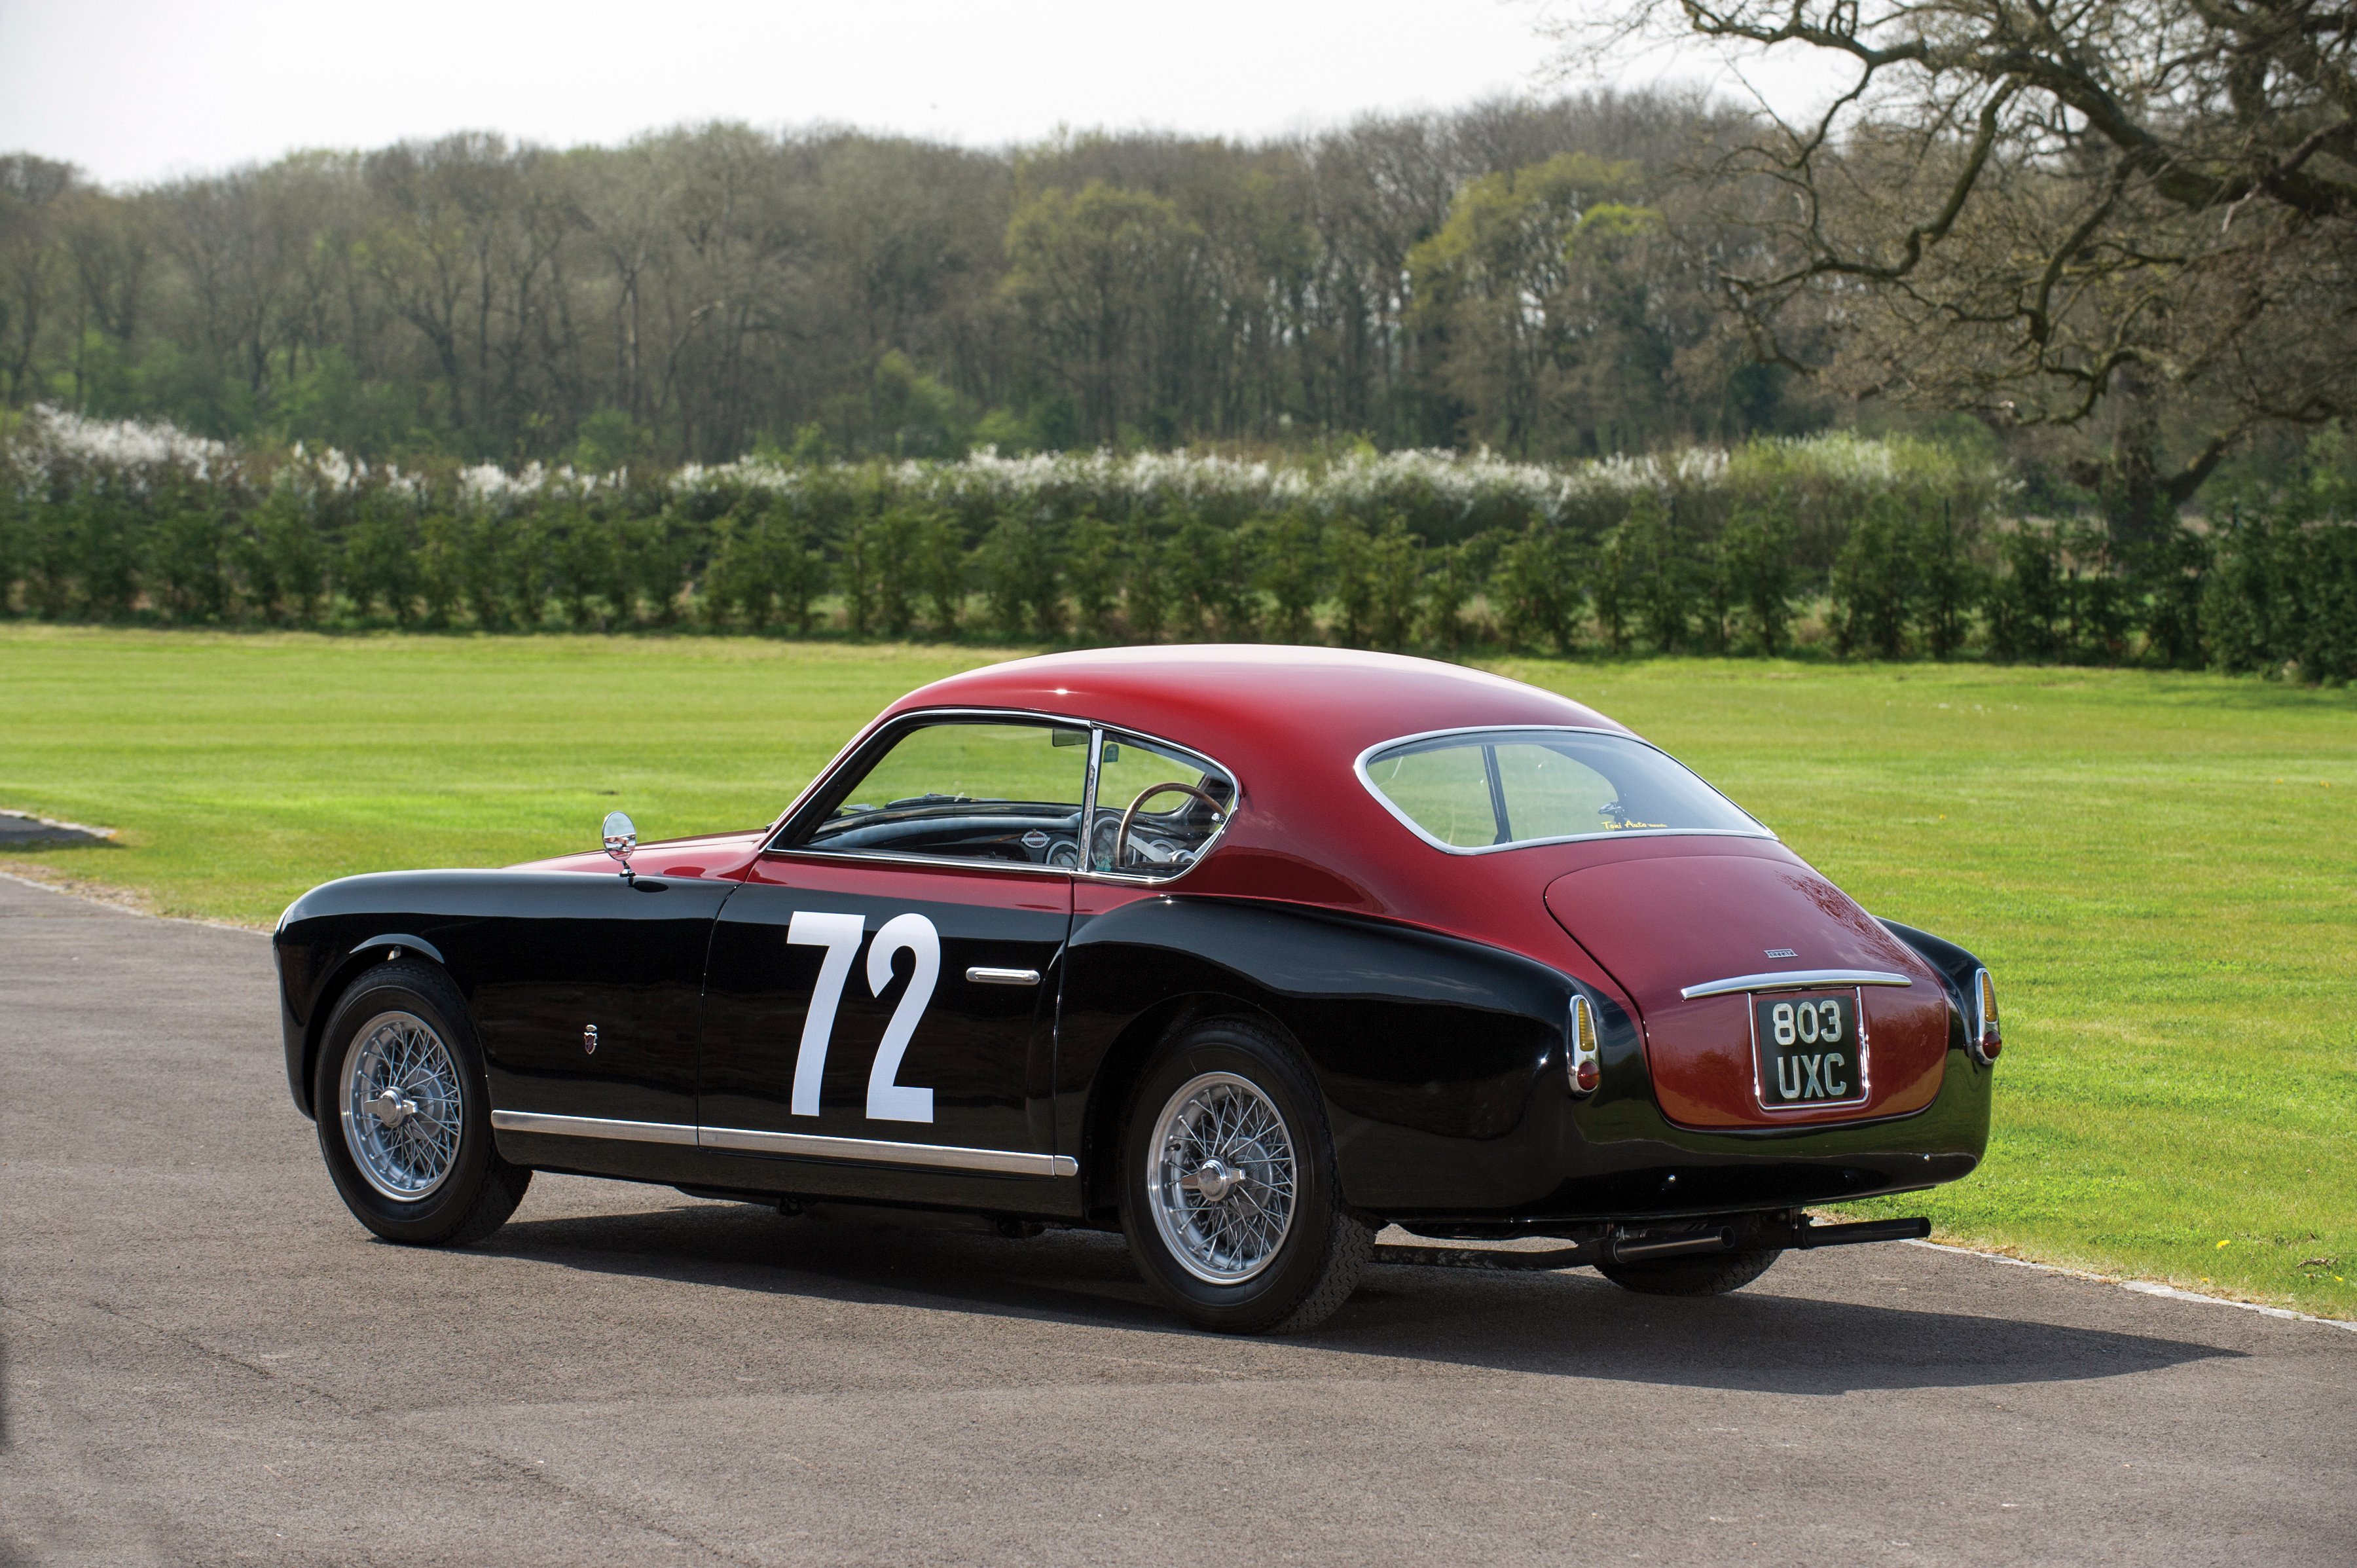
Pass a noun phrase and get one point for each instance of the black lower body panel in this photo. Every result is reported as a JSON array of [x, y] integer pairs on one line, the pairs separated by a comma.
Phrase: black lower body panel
[[1570, 1162]]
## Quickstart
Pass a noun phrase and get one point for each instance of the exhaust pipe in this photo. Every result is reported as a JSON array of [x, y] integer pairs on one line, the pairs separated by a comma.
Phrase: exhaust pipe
[[1678, 1244], [1621, 1249], [1606, 1249], [1805, 1234]]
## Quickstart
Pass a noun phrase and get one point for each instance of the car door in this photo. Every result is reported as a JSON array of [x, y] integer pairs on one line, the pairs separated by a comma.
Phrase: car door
[[880, 990], [586, 1006]]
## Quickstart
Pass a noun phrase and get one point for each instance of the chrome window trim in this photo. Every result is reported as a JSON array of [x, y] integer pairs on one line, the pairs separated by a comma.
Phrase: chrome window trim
[[929, 862], [1795, 980], [592, 1127], [1097, 730], [1139, 879], [879, 1151], [1089, 797], [1759, 830]]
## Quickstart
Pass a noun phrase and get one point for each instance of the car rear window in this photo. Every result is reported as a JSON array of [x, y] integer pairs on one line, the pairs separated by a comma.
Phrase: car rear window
[[1495, 788]]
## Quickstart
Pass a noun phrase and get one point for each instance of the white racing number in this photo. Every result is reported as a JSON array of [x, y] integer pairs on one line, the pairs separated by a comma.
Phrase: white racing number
[[839, 934], [887, 1100]]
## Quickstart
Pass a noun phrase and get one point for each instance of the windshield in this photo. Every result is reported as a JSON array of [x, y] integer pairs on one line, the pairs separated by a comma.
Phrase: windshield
[[1494, 789], [1015, 790], [967, 790]]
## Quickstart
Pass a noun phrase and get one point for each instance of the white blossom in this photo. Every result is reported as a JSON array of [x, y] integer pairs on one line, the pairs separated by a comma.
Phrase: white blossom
[[131, 448], [1440, 492]]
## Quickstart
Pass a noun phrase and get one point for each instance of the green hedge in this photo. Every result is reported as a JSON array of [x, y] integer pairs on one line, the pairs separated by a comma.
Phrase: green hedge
[[1888, 549]]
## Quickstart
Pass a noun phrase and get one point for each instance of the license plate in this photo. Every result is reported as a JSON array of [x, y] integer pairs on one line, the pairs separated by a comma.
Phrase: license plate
[[1809, 1048]]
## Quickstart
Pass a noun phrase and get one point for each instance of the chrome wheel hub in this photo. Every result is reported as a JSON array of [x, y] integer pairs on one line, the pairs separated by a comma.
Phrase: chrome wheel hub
[[389, 1108], [401, 1106], [1213, 1182], [1219, 1178]]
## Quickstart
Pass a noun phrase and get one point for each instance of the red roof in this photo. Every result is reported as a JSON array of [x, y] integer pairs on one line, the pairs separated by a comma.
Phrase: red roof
[[1290, 724], [1255, 707]]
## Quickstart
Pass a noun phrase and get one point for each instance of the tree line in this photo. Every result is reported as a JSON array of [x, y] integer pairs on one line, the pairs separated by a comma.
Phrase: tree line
[[2123, 233], [1517, 274], [1830, 545], [2112, 244], [2118, 234]]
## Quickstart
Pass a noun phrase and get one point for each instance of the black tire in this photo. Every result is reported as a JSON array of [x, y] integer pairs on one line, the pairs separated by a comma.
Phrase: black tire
[[1324, 1247], [1714, 1273], [479, 1189]]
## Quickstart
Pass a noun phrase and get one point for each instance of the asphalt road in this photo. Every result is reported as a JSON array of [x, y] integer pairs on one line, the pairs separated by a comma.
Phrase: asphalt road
[[208, 1361]]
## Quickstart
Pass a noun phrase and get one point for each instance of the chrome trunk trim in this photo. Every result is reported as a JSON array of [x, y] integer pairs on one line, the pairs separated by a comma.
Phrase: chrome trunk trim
[[1794, 980]]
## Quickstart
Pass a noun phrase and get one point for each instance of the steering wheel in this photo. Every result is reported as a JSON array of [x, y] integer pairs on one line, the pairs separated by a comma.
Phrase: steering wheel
[[1129, 818]]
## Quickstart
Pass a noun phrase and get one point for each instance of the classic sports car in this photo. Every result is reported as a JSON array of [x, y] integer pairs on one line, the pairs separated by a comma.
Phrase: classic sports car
[[1245, 950]]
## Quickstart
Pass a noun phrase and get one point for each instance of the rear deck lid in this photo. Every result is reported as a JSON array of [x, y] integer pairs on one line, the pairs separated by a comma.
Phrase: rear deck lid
[[1669, 922]]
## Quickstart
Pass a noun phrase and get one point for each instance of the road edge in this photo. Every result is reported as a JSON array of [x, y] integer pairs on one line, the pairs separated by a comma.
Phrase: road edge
[[2142, 1287], [122, 900]]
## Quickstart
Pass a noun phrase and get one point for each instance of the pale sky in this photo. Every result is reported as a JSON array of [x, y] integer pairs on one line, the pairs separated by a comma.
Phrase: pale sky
[[136, 90]]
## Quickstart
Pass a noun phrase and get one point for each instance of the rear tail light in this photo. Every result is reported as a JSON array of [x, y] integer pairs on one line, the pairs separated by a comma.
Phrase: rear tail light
[[1987, 1039], [1585, 1066]]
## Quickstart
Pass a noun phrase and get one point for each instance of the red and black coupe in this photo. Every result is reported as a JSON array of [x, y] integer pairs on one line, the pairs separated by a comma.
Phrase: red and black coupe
[[1245, 950]]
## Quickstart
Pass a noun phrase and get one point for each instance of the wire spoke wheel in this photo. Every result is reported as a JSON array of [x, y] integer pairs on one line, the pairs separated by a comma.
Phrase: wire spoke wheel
[[402, 1109], [1219, 1178]]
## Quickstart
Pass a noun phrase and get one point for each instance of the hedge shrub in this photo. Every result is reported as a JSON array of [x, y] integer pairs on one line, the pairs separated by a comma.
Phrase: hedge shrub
[[1887, 549]]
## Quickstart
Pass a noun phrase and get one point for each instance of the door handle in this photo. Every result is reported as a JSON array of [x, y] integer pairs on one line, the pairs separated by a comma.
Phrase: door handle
[[982, 976]]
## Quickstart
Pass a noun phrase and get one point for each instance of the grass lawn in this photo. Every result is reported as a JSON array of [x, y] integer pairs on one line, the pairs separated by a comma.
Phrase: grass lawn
[[2161, 869]]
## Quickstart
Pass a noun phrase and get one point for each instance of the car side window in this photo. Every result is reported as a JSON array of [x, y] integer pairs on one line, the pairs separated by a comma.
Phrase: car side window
[[962, 789], [1172, 825], [1444, 790], [1495, 788], [1548, 794]]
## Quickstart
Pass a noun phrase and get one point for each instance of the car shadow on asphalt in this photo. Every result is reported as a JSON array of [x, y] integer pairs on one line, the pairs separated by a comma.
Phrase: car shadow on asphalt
[[1757, 1339], [1569, 1324]]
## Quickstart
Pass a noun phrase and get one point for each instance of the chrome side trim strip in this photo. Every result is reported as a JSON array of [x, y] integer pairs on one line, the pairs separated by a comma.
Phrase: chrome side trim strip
[[979, 975], [877, 1151], [1794, 980], [593, 1127], [747, 1140]]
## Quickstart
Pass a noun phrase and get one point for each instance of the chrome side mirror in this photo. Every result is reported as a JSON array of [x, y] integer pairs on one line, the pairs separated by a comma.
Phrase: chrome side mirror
[[622, 838]]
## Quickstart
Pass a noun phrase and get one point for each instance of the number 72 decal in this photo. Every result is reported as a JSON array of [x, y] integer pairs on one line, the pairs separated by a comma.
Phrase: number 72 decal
[[839, 935]]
